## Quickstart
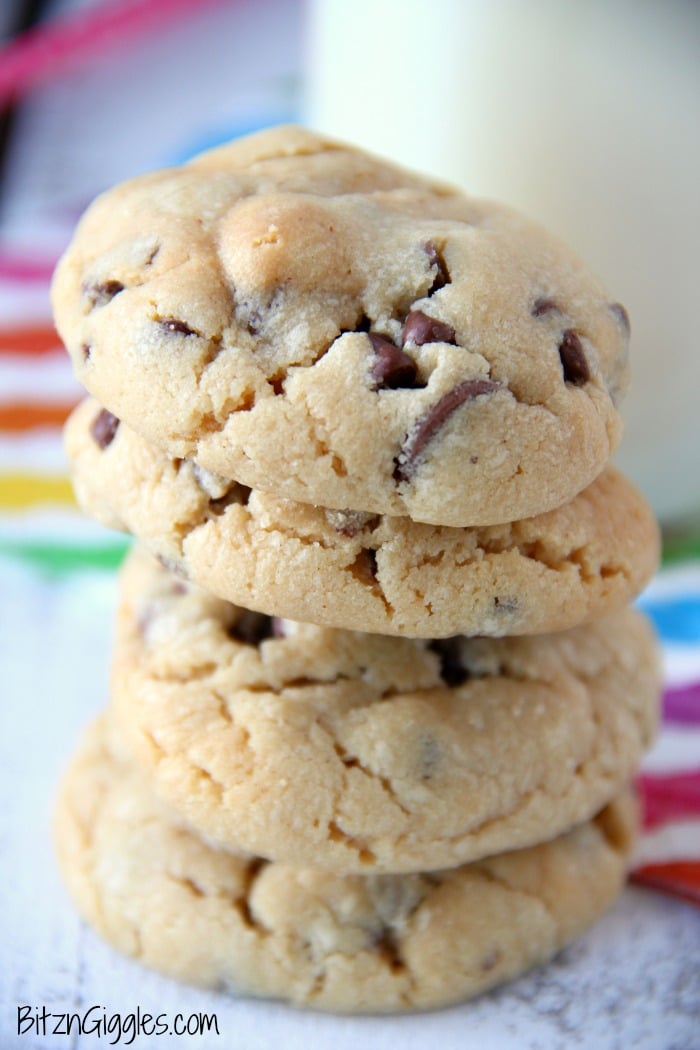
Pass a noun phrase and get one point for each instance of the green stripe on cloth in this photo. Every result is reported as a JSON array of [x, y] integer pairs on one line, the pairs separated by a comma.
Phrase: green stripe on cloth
[[680, 545], [61, 559]]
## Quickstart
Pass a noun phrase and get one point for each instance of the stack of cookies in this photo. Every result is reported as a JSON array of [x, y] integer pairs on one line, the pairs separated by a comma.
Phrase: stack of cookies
[[377, 690]]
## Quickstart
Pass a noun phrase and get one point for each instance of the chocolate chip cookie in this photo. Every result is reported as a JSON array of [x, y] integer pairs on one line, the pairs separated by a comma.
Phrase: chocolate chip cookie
[[357, 752], [369, 944], [311, 321]]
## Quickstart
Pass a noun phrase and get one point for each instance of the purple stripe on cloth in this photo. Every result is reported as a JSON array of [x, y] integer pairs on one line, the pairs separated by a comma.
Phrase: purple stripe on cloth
[[682, 704]]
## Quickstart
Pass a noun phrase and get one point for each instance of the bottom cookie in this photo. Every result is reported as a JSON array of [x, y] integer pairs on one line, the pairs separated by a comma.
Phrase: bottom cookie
[[347, 943]]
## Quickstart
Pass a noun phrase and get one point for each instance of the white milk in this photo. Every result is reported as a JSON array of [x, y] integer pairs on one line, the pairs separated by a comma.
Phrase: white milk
[[584, 114]]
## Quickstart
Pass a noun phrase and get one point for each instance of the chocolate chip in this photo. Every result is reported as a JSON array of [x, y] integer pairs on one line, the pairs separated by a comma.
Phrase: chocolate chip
[[172, 324], [254, 322], [452, 670], [429, 757], [103, 292], [351, 522], [543, 306], [622, 315], [442, 274], [420, 329], [433, 419], [387, 946], [86, 350], [104, 427], [392, 368], [573, 359], [252, 627], [490, 960]]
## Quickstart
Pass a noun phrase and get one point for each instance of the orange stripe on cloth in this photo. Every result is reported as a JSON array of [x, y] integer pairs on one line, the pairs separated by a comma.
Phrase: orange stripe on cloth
[[29, 339], [28, 415], [23, 491], [681, 878]]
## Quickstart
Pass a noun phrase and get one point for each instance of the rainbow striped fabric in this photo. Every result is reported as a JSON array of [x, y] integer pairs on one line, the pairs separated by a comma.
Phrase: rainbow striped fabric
[[40, 525]]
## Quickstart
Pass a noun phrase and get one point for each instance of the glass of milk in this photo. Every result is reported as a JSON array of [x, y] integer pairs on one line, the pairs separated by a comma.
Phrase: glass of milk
[[585, 116]]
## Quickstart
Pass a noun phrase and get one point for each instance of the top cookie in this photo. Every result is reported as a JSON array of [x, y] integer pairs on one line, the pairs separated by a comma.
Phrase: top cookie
[[312, 321]]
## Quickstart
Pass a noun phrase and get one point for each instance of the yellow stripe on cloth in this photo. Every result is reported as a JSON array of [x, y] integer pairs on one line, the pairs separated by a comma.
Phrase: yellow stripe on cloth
[[22, 491]]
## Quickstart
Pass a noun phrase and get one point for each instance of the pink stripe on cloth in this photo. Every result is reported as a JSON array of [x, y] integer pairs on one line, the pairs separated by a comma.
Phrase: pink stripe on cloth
[[48, 48], [669, 797], [25, 269], [682, 704]]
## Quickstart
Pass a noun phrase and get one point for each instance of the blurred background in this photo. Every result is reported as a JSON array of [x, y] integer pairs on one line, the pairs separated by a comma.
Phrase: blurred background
[[584, 115]]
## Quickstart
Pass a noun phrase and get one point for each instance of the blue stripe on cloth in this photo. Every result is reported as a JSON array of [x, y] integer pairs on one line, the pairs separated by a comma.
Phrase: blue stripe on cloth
[[677, 619], [217, 136]]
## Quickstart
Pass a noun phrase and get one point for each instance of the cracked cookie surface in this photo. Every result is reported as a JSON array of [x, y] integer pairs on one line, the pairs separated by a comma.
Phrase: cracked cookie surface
[[178, 904], [356, 752], [361, 571], [315, 322]]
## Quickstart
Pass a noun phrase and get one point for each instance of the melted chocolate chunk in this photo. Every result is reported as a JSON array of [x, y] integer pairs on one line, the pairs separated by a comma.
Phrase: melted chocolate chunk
[[430, 423], [392, 368], [103, 292], [104, 427], [452, 670], [252, 628], [543, 306], [442, 274], [420, 329], [573, 359], [622, 315], [172, 324]]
